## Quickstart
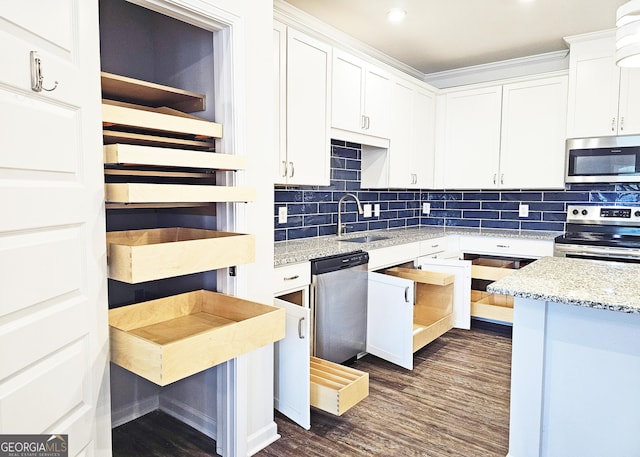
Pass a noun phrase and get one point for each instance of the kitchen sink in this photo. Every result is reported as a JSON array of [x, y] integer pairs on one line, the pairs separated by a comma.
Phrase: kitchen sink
[[364, 239]]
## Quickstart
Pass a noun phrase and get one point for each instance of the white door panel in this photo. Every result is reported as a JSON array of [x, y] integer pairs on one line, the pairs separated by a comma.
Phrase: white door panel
[[51, 257], [390, 319], [292, 391], [53, 302]]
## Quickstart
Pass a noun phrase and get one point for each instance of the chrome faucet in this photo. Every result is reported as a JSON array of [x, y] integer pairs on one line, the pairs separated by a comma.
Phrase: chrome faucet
[[342, 227]]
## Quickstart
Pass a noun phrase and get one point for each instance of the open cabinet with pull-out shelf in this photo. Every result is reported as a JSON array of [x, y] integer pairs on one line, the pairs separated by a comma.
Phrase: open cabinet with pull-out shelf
[[301, 380], [407, 309]]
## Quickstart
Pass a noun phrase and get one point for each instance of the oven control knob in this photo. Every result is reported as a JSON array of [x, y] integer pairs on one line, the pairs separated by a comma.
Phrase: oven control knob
[[637, 214], [584, 212], [575, 212]]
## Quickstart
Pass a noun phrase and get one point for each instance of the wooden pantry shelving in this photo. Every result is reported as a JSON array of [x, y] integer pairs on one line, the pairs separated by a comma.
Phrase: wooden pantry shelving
[[136, 256], [486, 305], [178, 193], [122, 88], [170, 338]]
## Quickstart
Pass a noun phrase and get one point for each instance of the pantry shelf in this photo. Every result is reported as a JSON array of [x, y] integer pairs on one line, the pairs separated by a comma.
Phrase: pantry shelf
[[136, 256], [133, 90], [170, 338]]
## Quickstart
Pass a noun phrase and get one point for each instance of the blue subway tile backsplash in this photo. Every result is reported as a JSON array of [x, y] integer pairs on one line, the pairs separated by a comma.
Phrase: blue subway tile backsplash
[[312, 210]]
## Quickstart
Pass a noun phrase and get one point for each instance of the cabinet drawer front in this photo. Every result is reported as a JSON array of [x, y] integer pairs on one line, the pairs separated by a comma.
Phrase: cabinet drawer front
[[434, 245], [291, 277], [393, 255], [507, 246]]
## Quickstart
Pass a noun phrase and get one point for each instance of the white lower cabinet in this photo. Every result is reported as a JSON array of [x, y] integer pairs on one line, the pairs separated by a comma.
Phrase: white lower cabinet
[[301, 380]]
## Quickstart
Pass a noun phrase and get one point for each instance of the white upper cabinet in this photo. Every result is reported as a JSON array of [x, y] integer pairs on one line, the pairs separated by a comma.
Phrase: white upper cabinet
[[302, 140], [471, 138], [533, 134], [412, 137], [604, 100], [361, 97], [508, 136]]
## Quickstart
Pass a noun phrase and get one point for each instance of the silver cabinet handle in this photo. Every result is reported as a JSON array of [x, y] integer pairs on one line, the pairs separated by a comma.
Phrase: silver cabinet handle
[[622, 123], [406, 294], [300, 335], [435, 245], [363, 122], [495, 175], [291, 278], [502, 178], [291, 169], [368, 122], [613, 124], [284, 170], [506, 246]]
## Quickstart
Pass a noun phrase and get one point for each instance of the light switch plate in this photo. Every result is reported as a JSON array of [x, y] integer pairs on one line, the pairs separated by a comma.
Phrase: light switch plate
[[426, 208], [282, 215], [367, 209], [523, 210], [376, 209]]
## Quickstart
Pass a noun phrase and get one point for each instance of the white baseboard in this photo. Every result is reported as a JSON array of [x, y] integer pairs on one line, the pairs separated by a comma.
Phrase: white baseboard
[[133, 411], [190, 416], [262, 438]]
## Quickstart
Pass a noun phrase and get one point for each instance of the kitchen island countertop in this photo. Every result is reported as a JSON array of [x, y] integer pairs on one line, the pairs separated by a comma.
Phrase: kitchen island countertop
[[588, 283]]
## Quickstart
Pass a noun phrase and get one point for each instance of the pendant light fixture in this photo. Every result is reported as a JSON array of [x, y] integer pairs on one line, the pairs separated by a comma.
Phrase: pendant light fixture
[[628, 34]]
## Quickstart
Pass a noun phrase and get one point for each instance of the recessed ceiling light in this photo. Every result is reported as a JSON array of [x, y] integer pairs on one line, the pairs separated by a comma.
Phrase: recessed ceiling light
[[396, 15]]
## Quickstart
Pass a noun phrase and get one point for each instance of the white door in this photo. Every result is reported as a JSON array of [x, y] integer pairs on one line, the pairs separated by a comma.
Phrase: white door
[[472, 138], [53, 290], [401, 166], [280, 103], [423, 135], [534, 118], [377, 102], [292, 391], [461, 270], [629, 110], [390, 319], [308, 108], [347, 92]]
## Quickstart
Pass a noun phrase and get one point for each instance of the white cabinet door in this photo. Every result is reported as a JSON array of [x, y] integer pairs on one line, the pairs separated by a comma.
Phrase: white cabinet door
[[347, 91], [54, 375], [629, 102], [280, 103], [423, 135], [401, 167], [472, 138], [361, 96], [532, 147], [377, 102], [308, 108], [390, 319], [461, 270], [292, 393], [603, 98]]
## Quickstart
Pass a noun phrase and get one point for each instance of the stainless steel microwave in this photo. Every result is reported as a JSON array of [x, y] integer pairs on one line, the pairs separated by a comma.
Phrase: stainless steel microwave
[[606, 159]]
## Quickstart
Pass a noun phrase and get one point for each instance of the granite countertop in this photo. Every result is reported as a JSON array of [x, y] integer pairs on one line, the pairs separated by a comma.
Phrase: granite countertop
[[590, 283], [287, 252]]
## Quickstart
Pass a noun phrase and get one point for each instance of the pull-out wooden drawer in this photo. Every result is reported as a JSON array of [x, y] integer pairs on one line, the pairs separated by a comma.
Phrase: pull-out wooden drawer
[[486, 305], [336, 388]]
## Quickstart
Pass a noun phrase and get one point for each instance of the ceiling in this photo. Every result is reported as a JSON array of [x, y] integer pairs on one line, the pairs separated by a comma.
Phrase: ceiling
[[440, 35]]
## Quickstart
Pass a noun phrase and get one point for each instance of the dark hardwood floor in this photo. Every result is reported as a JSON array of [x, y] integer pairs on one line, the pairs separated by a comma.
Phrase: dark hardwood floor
[[454, 403]]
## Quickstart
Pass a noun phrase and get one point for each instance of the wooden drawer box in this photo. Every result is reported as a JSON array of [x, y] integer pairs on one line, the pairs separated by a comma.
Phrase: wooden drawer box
[[336, 388], [168, 339], [169, 157], [176, 193], [493, 306], [124, 116], [136, 256]]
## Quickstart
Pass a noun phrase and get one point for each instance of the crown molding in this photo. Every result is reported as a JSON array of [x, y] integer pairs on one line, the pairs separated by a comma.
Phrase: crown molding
[[312, 26], [589, 36]]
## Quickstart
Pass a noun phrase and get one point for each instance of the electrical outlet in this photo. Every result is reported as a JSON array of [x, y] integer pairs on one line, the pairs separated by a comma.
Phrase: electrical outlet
[[376, 210], [282, 215], [426, 208], [367, 210], [523, 210]]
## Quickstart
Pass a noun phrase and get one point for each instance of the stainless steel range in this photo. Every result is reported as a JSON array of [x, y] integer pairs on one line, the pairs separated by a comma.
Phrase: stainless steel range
[[601, 233]]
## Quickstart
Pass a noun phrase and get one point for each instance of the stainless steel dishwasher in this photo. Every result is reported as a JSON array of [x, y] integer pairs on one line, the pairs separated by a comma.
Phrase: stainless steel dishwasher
[[339, 305]]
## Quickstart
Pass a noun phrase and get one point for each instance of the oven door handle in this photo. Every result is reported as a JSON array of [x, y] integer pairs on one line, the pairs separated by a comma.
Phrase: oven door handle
[[593, 251]]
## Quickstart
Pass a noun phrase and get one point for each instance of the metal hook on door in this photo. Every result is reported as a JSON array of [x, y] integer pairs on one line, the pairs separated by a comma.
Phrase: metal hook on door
[[37, 77]]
